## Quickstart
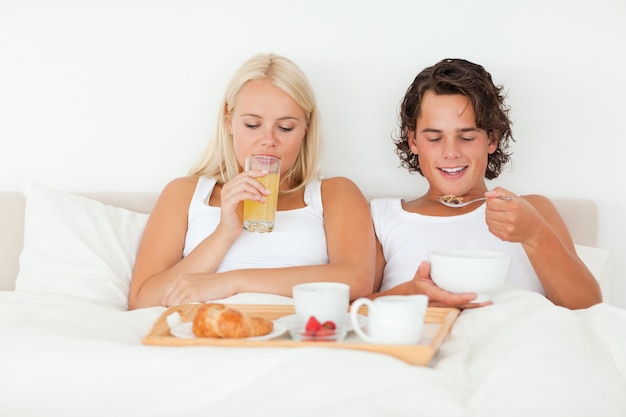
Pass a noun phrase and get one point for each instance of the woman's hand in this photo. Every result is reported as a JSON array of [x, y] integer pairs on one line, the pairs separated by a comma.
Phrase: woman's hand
[[198, 287], [243, 187]]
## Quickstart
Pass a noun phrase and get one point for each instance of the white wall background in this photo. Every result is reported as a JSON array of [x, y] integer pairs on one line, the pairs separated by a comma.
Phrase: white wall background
[[122, 94]]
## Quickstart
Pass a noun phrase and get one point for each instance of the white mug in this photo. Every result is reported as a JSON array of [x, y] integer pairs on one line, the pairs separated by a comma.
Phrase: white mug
[[392, 319], [324, 300]]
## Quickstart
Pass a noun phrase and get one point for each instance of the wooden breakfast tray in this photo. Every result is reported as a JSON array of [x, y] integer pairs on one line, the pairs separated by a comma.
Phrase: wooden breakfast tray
[[438, 322]]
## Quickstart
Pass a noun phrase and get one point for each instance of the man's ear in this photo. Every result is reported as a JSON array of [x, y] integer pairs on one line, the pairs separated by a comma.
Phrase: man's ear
[[412, 141], [494, 139]]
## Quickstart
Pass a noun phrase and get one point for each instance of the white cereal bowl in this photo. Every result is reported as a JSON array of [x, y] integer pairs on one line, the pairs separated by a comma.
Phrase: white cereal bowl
[[464, 270]]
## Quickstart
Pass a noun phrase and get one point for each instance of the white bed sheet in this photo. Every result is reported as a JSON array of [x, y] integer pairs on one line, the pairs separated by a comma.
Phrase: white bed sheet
[[520, 357]]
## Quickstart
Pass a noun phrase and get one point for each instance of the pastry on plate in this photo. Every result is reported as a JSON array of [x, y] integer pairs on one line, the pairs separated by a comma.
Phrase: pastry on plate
[[220, 321]]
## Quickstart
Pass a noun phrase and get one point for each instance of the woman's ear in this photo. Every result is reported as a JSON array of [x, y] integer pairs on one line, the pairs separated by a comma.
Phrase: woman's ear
[[412, 142], [228, 119]]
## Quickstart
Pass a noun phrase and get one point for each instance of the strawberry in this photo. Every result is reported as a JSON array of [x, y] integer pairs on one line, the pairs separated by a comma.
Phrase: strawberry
[[329, 325], [324, 332], [314, 330], [313, 324], [308, 334]]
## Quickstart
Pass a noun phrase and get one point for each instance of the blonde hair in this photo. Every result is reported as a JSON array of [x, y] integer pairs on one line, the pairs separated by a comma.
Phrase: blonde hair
[[218, 159]]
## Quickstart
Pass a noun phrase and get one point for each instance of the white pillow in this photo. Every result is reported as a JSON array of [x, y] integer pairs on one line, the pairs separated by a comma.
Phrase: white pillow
[[77, 246], [599, 262]]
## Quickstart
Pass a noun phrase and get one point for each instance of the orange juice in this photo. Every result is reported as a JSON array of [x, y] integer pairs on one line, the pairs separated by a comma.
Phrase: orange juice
[[257, 216]]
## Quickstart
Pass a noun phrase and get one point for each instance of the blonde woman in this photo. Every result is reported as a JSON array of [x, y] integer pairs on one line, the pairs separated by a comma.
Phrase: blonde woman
[[194, 247]]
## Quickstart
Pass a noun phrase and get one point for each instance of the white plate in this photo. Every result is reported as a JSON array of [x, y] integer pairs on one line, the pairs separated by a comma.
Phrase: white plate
[[292, 322], [184, 331]]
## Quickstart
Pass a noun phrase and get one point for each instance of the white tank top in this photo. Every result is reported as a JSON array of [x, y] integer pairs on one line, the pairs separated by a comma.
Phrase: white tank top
[[298, 237], [407, 237]]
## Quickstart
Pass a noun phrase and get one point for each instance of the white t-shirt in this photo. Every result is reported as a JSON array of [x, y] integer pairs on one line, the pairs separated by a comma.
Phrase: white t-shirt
[[298, 237], [407, 237]]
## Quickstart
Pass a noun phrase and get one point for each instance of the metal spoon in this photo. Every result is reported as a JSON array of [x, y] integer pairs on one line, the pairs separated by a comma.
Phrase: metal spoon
[[465, 203]]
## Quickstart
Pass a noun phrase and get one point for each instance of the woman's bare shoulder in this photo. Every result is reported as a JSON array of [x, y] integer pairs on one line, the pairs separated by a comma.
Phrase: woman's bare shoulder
[[178, 189], [339, 183], [342, 189], [181, 184]]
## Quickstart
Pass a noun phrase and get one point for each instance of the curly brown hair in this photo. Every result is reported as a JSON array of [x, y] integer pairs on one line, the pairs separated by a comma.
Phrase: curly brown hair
[[458, 76]]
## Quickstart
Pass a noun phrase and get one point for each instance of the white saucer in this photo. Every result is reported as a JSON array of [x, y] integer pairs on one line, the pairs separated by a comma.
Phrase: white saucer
[[183, 330], [293, 322]]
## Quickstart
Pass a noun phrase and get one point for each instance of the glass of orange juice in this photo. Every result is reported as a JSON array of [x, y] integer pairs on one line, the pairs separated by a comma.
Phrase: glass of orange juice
[[258, 216]]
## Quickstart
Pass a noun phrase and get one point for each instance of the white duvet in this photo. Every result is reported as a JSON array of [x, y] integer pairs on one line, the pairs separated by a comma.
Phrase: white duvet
[[520, 357]]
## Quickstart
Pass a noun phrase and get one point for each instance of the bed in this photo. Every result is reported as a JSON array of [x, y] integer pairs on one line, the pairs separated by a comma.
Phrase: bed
[[70, 347]]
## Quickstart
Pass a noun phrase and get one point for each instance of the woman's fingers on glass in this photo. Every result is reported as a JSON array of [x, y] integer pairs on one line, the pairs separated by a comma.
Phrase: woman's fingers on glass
[[245, 187]]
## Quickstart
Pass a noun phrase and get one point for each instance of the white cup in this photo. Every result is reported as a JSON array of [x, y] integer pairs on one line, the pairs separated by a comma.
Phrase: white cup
[[324, 300], [392, 319]]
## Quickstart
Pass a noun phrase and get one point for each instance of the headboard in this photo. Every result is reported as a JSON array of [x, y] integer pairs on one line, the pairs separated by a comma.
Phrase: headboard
[[580, 215]]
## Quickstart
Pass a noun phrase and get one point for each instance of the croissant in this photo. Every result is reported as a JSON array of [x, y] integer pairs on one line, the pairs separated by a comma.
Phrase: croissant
[[217, 320]]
